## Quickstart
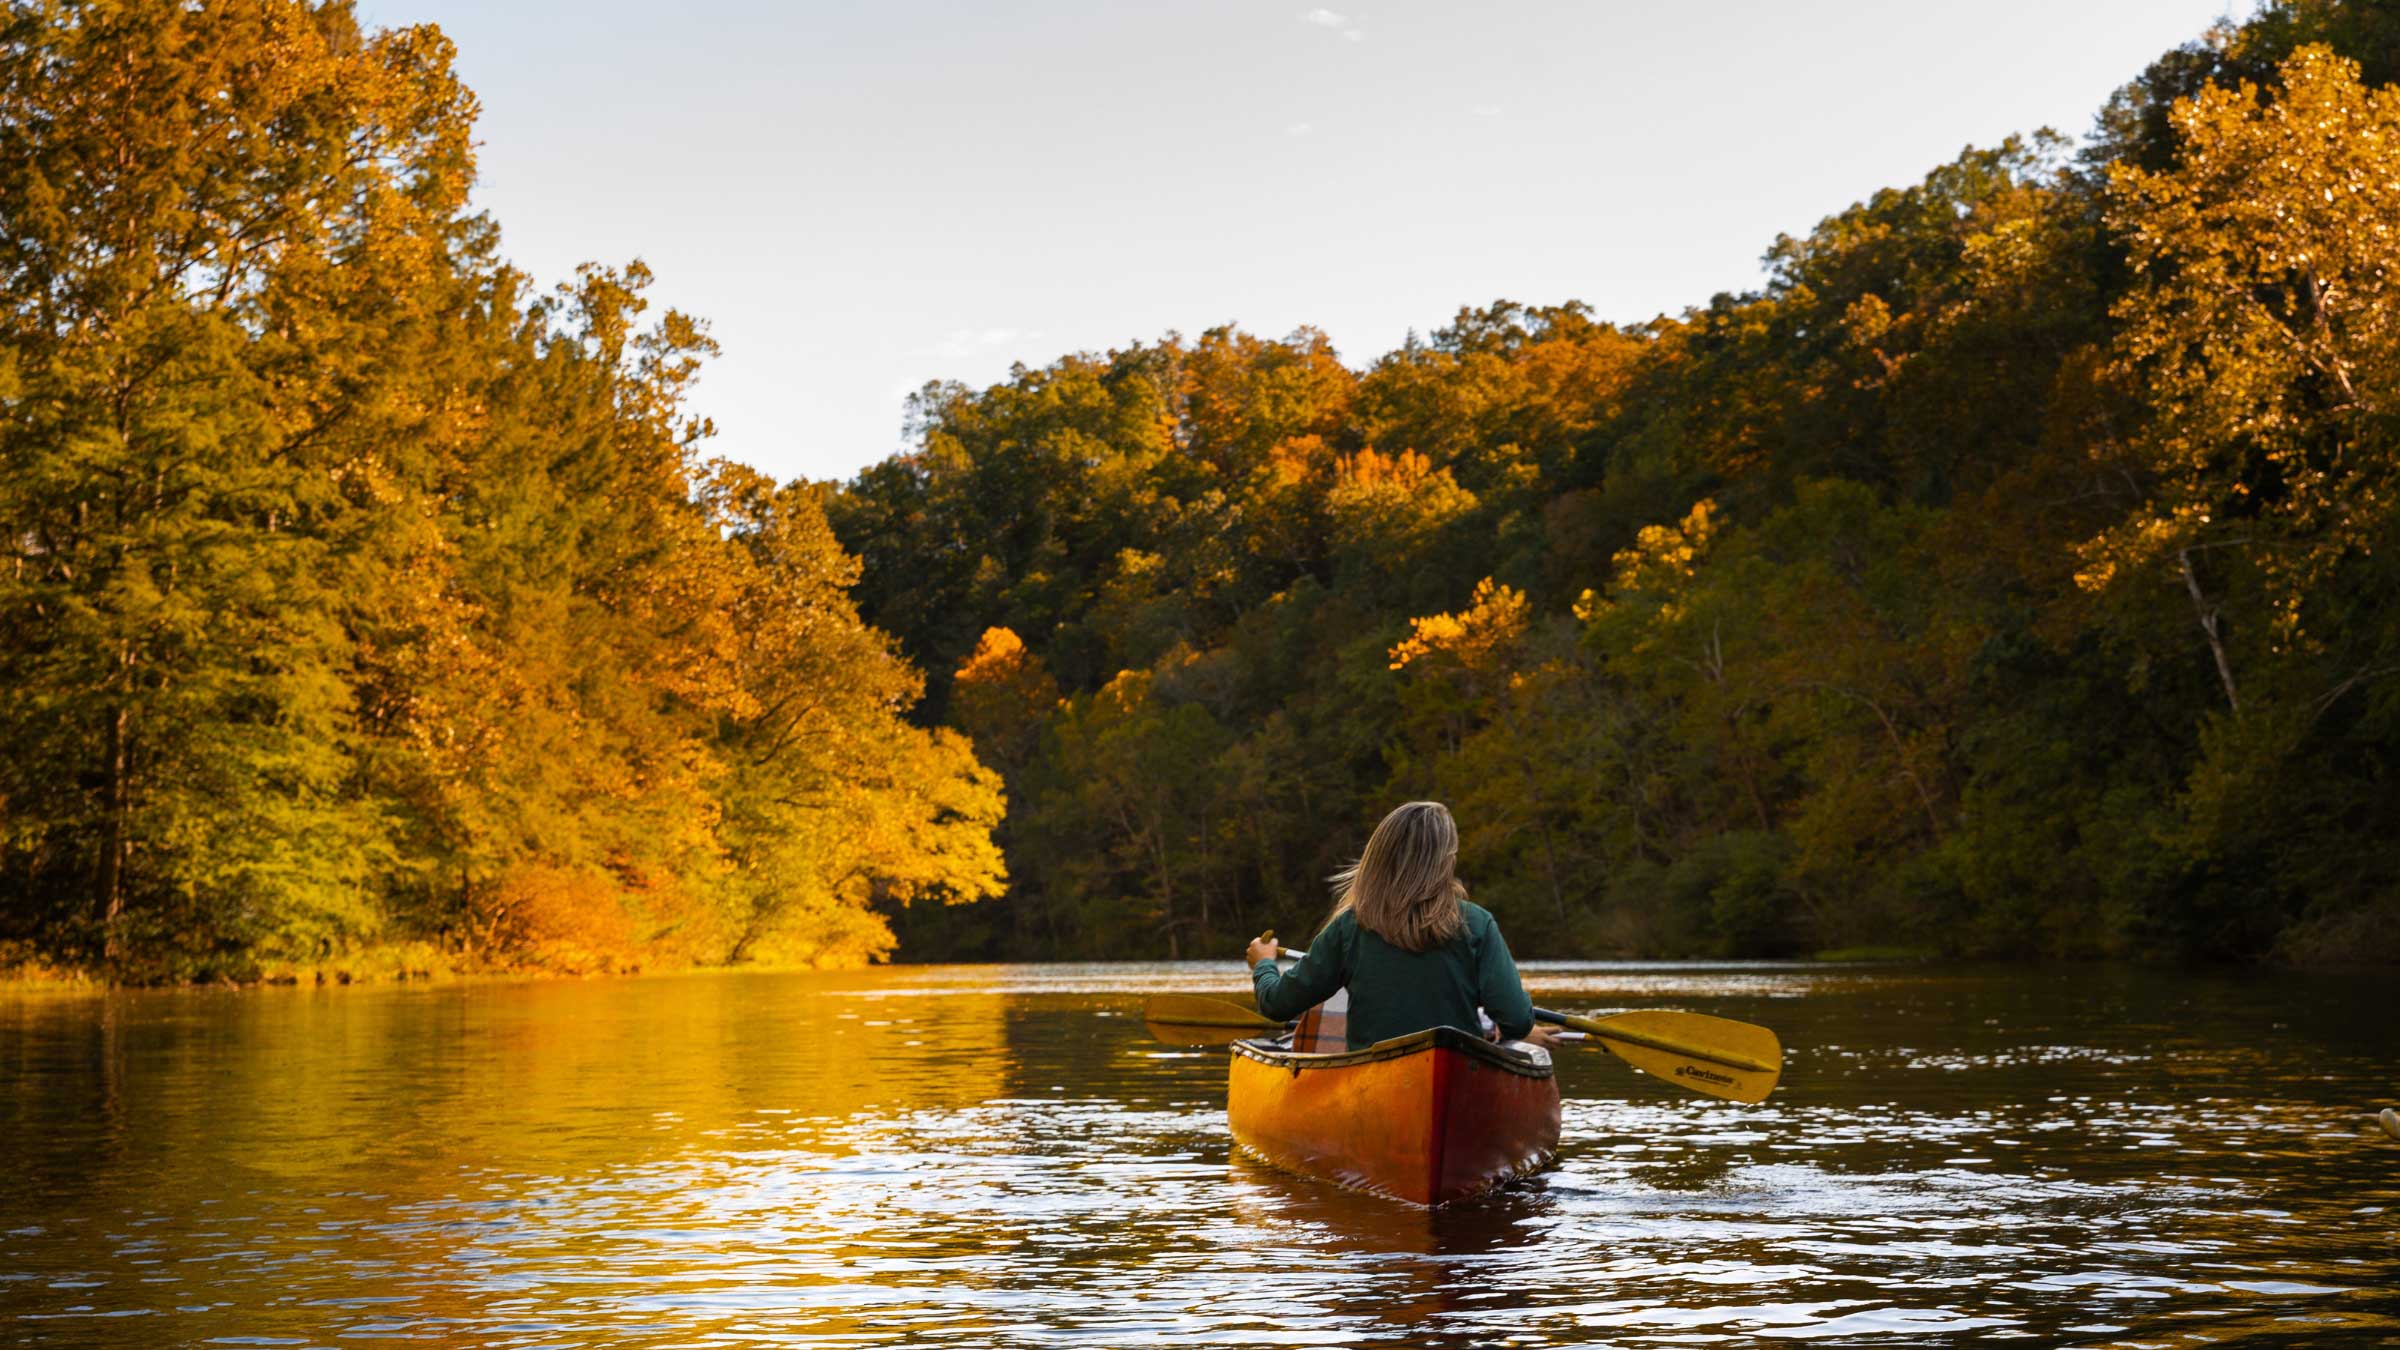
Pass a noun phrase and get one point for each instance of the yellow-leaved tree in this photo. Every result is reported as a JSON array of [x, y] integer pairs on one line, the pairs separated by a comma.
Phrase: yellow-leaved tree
[[834, 805], [1003, 695], [2263, 341]]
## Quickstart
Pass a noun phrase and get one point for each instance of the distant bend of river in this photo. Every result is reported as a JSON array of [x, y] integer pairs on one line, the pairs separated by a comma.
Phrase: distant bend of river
[[999, 1156]]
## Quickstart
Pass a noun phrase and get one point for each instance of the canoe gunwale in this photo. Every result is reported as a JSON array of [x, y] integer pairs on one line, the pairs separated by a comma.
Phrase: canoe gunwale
[[1529, 1062]]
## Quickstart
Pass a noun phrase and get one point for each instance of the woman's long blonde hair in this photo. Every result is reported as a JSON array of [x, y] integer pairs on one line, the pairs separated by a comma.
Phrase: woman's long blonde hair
[[1404, 886]]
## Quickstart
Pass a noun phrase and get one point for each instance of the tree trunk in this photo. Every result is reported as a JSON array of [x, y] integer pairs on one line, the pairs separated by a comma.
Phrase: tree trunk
[[2208, 625], [113, 843]]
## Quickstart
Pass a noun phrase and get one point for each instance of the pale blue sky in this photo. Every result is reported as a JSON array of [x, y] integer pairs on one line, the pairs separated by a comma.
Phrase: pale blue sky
[[863, 197]]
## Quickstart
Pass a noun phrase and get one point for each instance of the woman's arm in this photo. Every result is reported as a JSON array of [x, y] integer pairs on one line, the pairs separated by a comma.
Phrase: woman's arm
[[1284, 995], [1499, 989]]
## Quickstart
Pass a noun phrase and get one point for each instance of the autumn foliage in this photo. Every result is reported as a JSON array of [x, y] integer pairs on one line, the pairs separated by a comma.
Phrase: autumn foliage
[[2012, 574], [362, 597]]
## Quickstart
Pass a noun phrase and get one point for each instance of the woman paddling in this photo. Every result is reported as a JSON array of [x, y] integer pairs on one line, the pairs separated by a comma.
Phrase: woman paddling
[[1405, 941]]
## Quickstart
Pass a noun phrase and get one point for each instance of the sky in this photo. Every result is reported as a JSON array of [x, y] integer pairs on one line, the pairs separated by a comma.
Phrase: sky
[[860, 198]]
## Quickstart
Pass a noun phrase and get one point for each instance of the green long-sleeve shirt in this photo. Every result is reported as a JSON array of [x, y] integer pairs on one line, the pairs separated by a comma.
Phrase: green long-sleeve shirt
[[1394, 991]]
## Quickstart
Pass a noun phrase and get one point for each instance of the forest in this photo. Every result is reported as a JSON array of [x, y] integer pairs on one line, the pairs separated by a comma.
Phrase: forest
[[371, 609], [2012, 574]]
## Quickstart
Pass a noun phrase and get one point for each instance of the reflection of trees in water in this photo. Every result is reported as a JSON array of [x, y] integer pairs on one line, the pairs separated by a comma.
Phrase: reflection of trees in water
[[981, 1154], [431, 1146]]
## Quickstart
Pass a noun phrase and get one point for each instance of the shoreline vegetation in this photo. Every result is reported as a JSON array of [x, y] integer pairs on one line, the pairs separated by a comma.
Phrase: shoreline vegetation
[[415, 963], [2014, 574], [422, 964]]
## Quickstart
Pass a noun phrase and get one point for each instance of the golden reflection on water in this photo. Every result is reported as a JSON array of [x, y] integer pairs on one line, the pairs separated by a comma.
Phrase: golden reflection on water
[[1000, 1156]]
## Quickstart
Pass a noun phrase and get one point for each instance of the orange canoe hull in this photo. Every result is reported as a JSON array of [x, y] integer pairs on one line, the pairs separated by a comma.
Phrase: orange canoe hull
[[1429, 1118]]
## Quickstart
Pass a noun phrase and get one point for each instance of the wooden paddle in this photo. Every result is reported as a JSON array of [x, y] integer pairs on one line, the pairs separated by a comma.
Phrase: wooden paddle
[[1188, 1019], [1194, 1010], [1713, 1055]]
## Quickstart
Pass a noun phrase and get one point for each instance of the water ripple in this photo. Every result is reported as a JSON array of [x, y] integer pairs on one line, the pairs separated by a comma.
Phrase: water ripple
[[979, 1157]]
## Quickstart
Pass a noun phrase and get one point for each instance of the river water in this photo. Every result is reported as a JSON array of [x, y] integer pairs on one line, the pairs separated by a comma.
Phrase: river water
[[1000, 1156]]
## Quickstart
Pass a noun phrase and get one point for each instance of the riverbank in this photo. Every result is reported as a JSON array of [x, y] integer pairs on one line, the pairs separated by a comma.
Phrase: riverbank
[[22, 970], [422, 963], [406, 963], [403, 963]]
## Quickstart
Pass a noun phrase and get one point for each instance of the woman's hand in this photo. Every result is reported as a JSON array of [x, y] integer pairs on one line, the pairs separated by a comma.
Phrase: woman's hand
[[1263, 949], [1544, 1035]]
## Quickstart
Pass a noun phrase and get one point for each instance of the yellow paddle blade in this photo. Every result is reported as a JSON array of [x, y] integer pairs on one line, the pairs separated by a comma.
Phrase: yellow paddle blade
[[1715, 1055], [1193, 1010]]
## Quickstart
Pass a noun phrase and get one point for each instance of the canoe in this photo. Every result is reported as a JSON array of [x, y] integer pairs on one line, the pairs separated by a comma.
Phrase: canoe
[[1429, 1118]]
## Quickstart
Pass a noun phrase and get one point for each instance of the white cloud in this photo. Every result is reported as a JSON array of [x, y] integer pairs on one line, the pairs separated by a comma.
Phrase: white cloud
[[1298, 129], [1336, 20], [1486, 110]]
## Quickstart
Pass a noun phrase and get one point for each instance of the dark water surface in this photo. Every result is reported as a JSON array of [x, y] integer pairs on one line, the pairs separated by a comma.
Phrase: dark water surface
[[999, 1156]]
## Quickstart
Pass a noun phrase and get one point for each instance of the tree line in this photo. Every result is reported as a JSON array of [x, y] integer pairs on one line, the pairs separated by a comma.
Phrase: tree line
[[2012, 573], [370, 608], [2015, 573]]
